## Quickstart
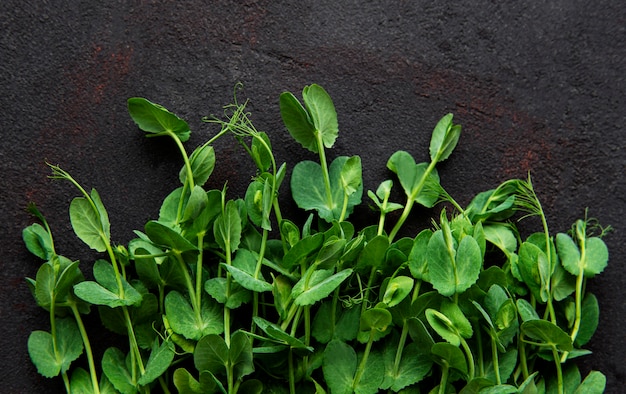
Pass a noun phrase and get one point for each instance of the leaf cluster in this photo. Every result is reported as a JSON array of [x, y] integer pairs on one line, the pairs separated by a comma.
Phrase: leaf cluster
[[225, 295]]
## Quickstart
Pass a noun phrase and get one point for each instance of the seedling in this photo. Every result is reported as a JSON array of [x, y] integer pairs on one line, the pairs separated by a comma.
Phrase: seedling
[[226, 295]]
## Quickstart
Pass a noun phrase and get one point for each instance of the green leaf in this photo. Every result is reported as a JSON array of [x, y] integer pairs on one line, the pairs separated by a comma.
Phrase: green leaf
[[547, 333], [351, 175], [451, 269], [298, 122], [346, 323], [303, 249], [166, 236], [216, 288], [211, 354], [278, 335], [451, 324], [444, 139], [417, 184], [594, 383], [525, 310], [339, 365], [252, 386], [494, 205], [418, 257], [375, 319], [329, 254], [590, 314], [258, 202], [156, 120], [187, 384], [96, 294], [321, 112], [227, 227], [41, 349], [309, 191], [261, 149], [318, 290], [240, 355], [183, 320], [373, 254], [534, 269], [106, 291], [597, 257], [562, 283], [38, 241], [397, 290], [197, 202], [592, 263], [87, 223], [49, 288], [243, 270], [413, 367], [160, 360], [502, 236], [449, 355], [115, 368], [202, 162], [506, 364]]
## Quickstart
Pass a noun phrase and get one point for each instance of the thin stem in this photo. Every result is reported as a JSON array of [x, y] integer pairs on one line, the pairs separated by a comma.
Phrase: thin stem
[[199, 270], [559, 372], [495, 360], [403, 336], [470, 358], [344, 208], [190, 288], [443, 383], [522, 357], [292, 377], [361, 368], [88, 351], [324, 165], [134, 347]]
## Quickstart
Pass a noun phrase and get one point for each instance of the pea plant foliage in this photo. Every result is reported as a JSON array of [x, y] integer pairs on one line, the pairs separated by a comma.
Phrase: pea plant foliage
[[222, 294]]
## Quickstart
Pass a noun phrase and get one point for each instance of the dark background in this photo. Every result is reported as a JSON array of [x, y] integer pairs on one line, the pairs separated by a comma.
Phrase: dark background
[[537, 86]]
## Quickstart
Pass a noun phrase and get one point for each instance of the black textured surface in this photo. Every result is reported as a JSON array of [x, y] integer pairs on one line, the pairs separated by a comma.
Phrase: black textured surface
[[537, 86]]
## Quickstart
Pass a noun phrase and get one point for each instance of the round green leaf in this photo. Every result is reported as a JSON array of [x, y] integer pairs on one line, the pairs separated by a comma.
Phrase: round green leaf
[[547, 333], [155, 120]]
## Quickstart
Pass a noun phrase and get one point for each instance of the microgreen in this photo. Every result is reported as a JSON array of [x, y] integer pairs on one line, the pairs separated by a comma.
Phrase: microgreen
[[225, 295]]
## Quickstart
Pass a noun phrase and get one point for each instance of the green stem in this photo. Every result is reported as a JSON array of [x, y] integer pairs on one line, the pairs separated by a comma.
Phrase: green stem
[[134, 347], [579, 290], [183, 152], [344, 208], [401, 343], [227, 253], [559, 372], [470, 358], [522, 357], [444, 378], [361, 368], [579, 295], [495, 360], [88, 351], [190, 287], [479, 347], [324, 165], [292, 376], [199, 270], [381, 223]]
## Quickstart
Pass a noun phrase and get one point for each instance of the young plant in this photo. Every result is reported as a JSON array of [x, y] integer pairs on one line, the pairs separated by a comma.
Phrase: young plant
[[226, 295]]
